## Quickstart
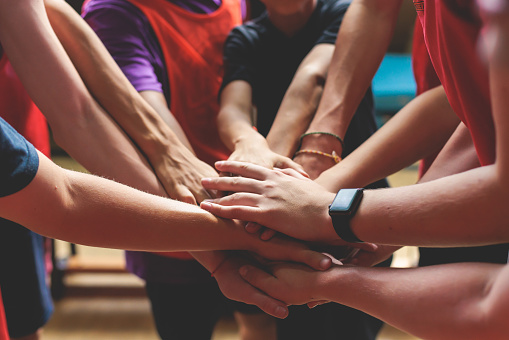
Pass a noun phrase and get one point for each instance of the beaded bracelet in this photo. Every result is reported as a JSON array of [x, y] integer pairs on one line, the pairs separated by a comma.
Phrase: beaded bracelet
[[334, 155], [324, 133]]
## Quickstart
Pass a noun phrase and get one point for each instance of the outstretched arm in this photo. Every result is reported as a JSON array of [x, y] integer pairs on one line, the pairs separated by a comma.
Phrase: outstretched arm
[[235, 124], [86, 209], [421, 128], [175, 165], [453, 301], [361, 44], [300, 101]]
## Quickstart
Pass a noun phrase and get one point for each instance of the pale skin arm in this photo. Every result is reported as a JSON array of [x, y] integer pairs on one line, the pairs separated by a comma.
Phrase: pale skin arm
[[454, 301], [361, 44], [235, 124], [167, 150]]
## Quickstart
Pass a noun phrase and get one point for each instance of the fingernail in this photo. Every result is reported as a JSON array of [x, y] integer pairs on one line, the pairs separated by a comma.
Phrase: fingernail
[[205, 204], [325, 263], [243, 271], [281, 312]]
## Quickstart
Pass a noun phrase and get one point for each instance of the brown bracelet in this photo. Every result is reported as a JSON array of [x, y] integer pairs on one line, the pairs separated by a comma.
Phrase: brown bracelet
[[324, 133], [332, 155]]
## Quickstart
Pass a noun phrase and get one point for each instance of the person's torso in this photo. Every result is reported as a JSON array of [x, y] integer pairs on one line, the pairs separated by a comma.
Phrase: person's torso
[[276, 57]]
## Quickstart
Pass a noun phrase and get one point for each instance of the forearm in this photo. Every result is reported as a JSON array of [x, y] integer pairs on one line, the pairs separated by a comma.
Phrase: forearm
[[300, 101], [235, 118], [77, 121], [439, 302], [421, 128], [360, 47], [109, 85], [457, 156], [466, 209], [86, 209]]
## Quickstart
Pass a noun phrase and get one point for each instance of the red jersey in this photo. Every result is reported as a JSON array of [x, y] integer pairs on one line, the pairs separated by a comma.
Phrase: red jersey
[[18, 109], [450, 31], [4, 334], [192, 46]]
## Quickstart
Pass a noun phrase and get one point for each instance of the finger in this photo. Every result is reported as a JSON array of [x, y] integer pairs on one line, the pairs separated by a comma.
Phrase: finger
[[313, 259], [232, 184], [237, 199], [258, 278], [268, 304], [252, 227], [267, 234], [243, 169], [183, 194], [316, 303], [294, 169], [244, 213]]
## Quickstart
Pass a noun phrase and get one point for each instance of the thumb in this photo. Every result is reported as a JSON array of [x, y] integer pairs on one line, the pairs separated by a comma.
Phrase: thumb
[[183, 194]]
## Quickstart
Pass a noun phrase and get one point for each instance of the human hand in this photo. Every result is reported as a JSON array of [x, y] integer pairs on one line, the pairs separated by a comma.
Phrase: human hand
[[293, 206], [282, 248], [292, 284], [314, 164], [259, 153], [234, 287], [180, 172]]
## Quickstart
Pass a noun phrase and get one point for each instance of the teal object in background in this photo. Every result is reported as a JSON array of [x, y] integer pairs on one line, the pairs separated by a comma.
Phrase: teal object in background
[[393, 85]]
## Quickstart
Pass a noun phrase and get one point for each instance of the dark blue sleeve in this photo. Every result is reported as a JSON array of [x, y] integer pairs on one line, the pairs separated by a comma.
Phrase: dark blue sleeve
[[18, 160]]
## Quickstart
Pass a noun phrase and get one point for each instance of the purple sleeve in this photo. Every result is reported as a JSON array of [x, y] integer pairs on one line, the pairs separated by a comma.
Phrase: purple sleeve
[[125, 31]]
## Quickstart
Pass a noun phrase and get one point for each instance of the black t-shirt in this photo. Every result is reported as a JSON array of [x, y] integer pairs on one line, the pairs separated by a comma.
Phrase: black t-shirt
[[258, 53], [18, 160]]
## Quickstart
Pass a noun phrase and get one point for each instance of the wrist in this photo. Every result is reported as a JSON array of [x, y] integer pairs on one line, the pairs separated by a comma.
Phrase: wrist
[[336, 280], [327, 232], [323, 142]]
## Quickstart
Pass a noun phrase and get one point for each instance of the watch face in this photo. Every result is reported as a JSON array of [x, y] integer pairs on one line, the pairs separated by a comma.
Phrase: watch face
[[345, 201]]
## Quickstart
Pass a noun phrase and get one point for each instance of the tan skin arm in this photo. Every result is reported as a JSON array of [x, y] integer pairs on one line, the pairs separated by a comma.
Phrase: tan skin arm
[[300, 101], [235, 124], [361, 44], [175, 165], [425, 125], [453, 301]]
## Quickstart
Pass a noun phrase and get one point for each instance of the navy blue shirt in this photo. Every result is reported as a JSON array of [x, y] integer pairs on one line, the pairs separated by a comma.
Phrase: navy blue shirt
[[258, 53], [18, 160]]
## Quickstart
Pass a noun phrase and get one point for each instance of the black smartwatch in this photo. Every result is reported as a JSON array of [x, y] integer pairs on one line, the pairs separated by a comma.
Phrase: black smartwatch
[[342, 209]]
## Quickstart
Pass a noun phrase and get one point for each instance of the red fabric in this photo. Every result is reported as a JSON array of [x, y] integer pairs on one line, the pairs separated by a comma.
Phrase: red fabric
[[4, 334], [425, 78], [192, 46], [451, 28], [19, 110]]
